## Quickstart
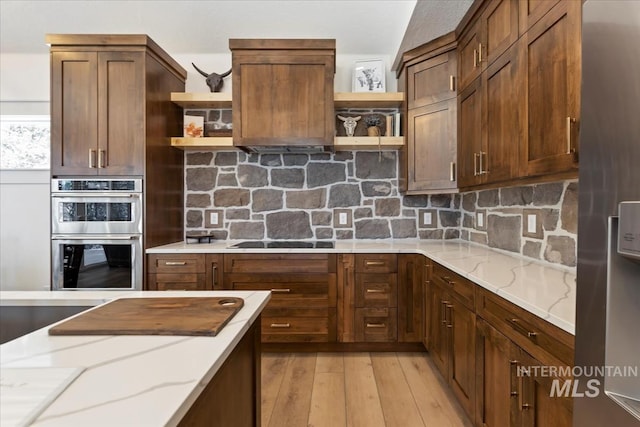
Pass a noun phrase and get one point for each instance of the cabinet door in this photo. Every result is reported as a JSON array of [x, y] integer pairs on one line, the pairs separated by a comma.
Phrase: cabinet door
[[462, 372], [496, 381], [537, 407], [530, 12], [121, 113], [499, 24], [438, 343], [432, 80], [470, 135], [74, 113], [503, 122], [469, 66], [552, 91], [214, 271], [410, 279], [177, 282], [376, 290], [432, 147], [285, 99]]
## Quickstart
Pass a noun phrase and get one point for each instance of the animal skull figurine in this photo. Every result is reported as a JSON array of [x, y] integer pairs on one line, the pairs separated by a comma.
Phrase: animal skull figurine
[[350, 123], [214, 80]]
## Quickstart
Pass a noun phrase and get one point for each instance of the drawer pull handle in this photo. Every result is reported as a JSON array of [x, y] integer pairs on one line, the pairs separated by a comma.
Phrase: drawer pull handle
[[376, 291], [281, 291], [280, 325], [375, 325], [374, 263], [448, 280], [173, 263], [515, 322]]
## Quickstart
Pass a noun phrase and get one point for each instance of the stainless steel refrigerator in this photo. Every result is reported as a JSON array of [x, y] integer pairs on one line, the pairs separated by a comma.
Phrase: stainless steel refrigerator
[[608, 273]]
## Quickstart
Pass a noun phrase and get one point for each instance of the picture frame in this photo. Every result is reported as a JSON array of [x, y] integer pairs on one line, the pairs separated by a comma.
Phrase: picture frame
[[369, 76]]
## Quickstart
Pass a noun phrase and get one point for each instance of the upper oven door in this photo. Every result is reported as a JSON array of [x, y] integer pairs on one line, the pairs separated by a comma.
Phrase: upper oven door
[[96, 214]]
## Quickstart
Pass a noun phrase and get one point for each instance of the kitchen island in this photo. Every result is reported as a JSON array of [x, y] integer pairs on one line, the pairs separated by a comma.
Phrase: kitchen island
[[136, 380]]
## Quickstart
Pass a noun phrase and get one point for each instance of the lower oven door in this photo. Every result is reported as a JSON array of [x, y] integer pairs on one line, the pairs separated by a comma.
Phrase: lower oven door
[[96, 262]]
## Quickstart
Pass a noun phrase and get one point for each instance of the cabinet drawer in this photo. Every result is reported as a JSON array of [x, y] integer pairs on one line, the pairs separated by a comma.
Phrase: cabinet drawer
[[295, 325], [459, 287], [309, 290], [376, 324], [177, 263], [376, 290], [280, 263], [177, 282], [539, 338], [376, 263]]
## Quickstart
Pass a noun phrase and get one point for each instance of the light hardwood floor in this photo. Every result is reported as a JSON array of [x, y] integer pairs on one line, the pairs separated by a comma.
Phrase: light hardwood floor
[[355, 390]]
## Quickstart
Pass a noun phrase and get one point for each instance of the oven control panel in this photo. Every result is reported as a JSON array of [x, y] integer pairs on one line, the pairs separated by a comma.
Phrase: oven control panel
[[629, 230]]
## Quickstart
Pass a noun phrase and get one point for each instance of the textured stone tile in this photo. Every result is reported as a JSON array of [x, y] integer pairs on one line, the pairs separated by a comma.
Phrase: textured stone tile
[[226, 116], [547, 194], [452, 233], [267, 200], [344, 234], [409, 213], [387, 207], [376, 188], [252, 176], [359, 213], [449, 218], [372, 229], [295, 159], [478, 238], [504, 232], [437, 234], [270, 160], [488, 198], [561, 250], [194, 219], [287, 178], [288, 225], [199, 158], [532, 249], [350, 169], [415, 201], [320, 156], [253, 158], [464, 234], [468, 221], [252, 230], [198, 200], [516, 196], [403, 228], [457, 199], [469, 201], [321, 174], [570, 208], [231, 197], [324, 233], [550, 219], [219, 234], [227, 180], [214, 115], [237, 214], [321, 218], [441, 200], [201, 179], [342, 156], [344, 195], [372, 165], [306, 199], [224, 158]]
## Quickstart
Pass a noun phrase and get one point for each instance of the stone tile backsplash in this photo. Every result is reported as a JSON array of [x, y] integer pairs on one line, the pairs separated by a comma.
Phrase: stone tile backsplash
[[234, 195]]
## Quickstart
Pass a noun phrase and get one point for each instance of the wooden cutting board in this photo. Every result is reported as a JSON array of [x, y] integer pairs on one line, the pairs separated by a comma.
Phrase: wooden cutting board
[[154, 316]]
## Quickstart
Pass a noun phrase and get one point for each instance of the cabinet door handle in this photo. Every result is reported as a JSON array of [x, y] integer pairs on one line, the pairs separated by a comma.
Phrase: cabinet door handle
[[280, 325], [479, 52], [281, 291], [450, 322], [452, 171], [443, 312], [375, 325], [376, 291], [452, 83], [570, 122], [174, 263], [475, 164], [515, 322], [480, 157], [475, 58], [374, 263], [448, 280], [92, 158], [101, 156], [513, 365], [214, 273]]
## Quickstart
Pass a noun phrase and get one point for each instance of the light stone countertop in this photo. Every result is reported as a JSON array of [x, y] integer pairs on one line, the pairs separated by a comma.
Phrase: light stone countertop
[[544, 289], [125, 380]]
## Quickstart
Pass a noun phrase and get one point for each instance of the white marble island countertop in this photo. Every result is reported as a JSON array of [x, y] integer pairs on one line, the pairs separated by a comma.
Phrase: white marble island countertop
[[544, 289], [134, 380]]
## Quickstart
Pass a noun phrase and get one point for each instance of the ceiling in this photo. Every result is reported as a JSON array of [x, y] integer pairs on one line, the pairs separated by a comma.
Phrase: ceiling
[[359, 26]]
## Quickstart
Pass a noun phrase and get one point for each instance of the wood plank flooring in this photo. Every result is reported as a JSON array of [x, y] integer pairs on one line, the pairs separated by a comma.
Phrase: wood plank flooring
[[356, 390]]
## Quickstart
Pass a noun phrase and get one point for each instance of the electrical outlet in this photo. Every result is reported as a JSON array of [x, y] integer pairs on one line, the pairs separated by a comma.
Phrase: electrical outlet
[[427, 218], [531, 223], [342, 218], [481, 220], [213, 218]]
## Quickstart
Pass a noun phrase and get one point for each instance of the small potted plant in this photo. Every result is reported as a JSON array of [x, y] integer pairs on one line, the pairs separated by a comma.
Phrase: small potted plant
[[373, 122]]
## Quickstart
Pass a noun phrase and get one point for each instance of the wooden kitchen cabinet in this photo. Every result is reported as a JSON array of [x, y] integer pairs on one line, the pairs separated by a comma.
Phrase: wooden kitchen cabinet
[[410, 311], [470, 152], [283, 92], [428, 164], [302, 308], [184, 272], [551, 96]]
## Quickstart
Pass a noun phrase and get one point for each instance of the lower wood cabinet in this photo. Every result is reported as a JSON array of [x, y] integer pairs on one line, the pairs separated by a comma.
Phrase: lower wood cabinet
[[184, 272]]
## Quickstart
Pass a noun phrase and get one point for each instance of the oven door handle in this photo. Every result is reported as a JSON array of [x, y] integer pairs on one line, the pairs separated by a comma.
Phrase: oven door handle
[[94, 237], [96, 195]]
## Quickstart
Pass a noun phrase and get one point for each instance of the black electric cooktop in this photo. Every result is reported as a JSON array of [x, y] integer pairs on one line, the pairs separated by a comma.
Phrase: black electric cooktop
[[255, 244]]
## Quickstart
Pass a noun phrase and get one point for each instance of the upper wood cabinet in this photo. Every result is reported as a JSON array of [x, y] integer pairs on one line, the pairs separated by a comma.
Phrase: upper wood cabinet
[[468, 60], [552, 91], [530, 12], [283, 91], [470, 131], [432, 80]]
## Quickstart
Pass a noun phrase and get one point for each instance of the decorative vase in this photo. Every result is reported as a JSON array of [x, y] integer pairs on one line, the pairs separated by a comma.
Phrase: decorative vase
[[373, 131]]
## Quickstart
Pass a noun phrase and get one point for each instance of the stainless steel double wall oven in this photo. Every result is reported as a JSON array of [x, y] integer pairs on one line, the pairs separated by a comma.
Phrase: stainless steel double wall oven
[[96, 234]]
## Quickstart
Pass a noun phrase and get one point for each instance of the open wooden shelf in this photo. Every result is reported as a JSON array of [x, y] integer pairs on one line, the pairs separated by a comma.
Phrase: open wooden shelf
[[214, 100], [368, 100], [204, 143], [341, 143]]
